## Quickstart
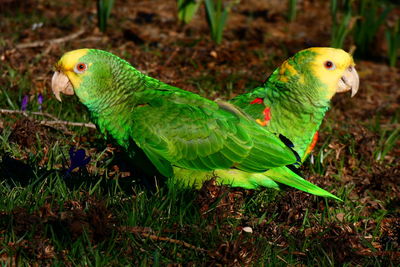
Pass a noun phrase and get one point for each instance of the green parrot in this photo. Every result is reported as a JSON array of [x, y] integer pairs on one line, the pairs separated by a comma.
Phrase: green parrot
[[294, 99], [190, 138]]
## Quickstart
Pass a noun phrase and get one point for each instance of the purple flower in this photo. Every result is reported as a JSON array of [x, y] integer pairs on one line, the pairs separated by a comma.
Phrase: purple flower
[[40, 101], [24, 103], [78, 159]]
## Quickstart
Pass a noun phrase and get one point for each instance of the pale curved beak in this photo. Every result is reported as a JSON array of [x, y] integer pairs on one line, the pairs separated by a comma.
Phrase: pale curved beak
[[61, 84], [349, 81]]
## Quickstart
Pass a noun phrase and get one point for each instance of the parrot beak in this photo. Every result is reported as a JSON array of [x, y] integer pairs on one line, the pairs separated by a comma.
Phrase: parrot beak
[[61, 84], [349, 81]]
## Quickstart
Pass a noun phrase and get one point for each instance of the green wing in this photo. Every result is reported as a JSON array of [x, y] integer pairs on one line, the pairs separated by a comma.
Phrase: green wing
[[178, 128]]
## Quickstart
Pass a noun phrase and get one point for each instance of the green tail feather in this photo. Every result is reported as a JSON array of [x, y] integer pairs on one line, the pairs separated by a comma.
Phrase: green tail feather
[[285, 176], [233, 177], [238, 178]]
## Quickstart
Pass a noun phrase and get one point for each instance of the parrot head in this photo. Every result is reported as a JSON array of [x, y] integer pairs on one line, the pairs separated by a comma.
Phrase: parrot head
[[328, 70], [69, 73], [88, 73]]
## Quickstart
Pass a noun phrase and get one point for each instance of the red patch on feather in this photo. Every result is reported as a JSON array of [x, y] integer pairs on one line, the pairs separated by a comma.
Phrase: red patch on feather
[[257, 101], [267, 114], [313, 142]]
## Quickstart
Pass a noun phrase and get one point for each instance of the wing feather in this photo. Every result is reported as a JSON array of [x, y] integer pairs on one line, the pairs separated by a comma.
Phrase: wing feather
[[198, 134]]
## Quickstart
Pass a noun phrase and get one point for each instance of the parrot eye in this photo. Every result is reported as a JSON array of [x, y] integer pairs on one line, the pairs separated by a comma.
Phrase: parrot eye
[[329, 65], [80, 68]]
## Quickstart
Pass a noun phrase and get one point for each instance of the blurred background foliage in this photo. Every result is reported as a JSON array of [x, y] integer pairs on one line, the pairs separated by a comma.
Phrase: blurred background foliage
[[355, 21]]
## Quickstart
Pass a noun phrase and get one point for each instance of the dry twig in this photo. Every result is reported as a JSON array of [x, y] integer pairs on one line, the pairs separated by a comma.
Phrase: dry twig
[[52, 41], [26, 114], [68, 123], [55, 120], [171, 57], [170, 240], [145, 233]]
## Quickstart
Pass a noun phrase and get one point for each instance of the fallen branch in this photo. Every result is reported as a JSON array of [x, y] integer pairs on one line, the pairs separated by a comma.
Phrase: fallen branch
[[55, 120], [52, 41], [145, 233], [26, 114], [171, 57], [174, 241], [68, 123]]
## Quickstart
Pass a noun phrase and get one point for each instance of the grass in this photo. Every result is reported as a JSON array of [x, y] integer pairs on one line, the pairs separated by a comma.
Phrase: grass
[[104, 8], [187, 9], [342, 22], [292, 10], [217, 12], [217, 16], [393, 42], [372, 16]]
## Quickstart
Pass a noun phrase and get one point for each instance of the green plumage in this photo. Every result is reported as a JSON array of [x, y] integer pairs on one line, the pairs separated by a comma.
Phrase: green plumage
[[184, 135], [296, 113]]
